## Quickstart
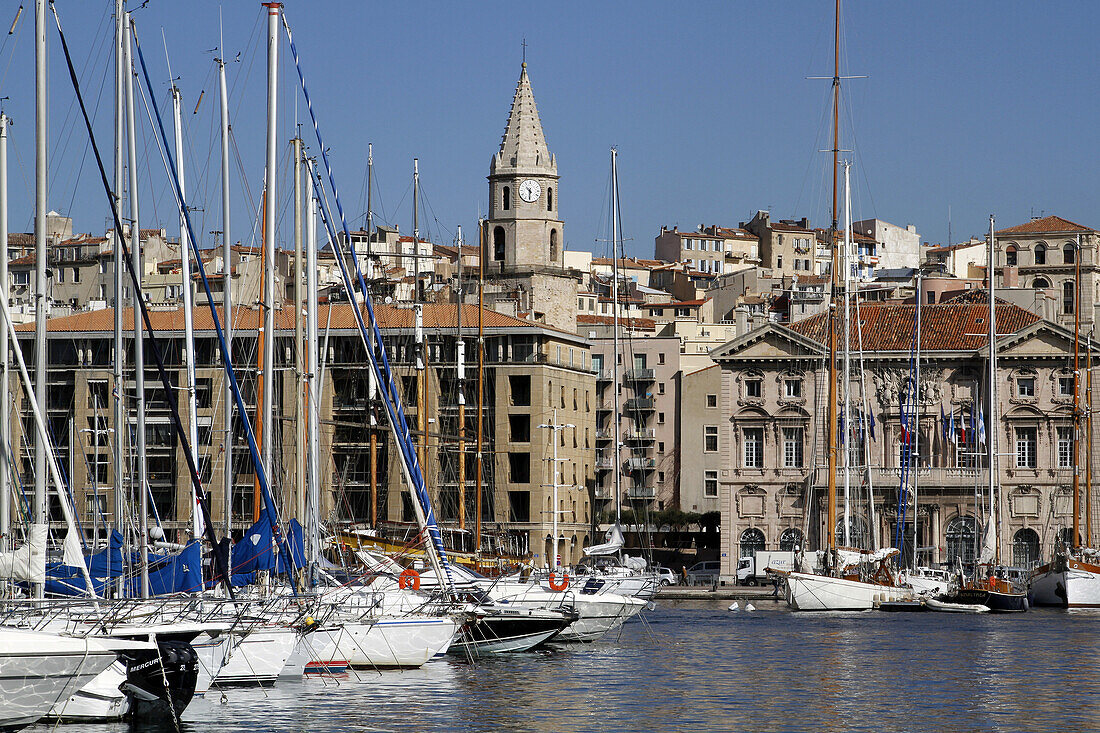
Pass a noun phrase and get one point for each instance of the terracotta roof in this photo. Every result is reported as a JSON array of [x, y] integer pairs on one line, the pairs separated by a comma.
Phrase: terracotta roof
[[583, 319], [1046, 225], [150, 232], [20, 261], [676, 303], [436, 315], [945, 327], [21, 238], [82, 239], [813, 279]]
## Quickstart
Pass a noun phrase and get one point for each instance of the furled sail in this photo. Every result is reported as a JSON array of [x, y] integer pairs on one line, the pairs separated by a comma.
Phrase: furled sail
[[989, 543], [613, 542], [28, 563]]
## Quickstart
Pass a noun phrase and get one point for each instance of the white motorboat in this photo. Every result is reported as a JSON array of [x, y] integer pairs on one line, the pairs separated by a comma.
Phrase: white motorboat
[[249, 657], [40, 669], [926, 581], [403, 642]]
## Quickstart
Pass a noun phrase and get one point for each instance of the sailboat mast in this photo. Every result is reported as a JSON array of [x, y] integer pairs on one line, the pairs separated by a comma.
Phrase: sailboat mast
[[991, 433], [313, 404], [846, 380], [119, 365], [1088, 442], [831, 420], [227, 298], [460, 378], [5, 405], [1076, 541], [268, 433], [299, 370], [139, 343], [372, 382], [188, 323], [421, 344], [483, 243], [916, 411], [615, 334], [40, 183]]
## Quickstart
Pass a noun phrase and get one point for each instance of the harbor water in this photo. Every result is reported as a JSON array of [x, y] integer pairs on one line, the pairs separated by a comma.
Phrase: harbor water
[[696, 666]]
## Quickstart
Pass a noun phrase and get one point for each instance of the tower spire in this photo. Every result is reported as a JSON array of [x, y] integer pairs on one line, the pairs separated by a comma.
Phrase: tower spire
[[523, 146]]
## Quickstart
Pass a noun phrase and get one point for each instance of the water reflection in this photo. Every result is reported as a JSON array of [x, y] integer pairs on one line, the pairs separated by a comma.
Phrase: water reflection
[[699, 667]]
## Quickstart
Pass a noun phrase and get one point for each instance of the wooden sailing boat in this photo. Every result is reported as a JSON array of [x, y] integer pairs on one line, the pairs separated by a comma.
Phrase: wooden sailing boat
[[1072, 578], [989, 586], [852, 580]]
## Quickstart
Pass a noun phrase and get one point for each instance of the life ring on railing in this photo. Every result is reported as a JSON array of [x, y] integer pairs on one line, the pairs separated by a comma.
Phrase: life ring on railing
[[554, 585], [408, 578]]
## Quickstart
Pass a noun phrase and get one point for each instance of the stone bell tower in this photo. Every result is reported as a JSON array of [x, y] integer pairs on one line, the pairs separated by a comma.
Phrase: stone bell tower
[[525, 230]]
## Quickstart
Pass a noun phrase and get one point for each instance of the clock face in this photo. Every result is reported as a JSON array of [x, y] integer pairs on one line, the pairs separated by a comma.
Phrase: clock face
[[530, 190]]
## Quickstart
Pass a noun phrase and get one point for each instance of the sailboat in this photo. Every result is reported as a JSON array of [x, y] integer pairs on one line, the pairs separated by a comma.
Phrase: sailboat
[[852, 579], [1072, 578], [989, 586]]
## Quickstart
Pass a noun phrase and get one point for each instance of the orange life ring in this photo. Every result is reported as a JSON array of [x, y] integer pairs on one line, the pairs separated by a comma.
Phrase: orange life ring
[[554, 585], [408, 578]]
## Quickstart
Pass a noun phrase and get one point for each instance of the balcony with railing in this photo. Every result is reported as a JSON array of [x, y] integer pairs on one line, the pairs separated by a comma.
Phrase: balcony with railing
[[928, 476], [641, 403], [605, 375], [604, 463], [603, 434], [641, 435], [607, 405], [636, 463], [639, 375], [641, 492]]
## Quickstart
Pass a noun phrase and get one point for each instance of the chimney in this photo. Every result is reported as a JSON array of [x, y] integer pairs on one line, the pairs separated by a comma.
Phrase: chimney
[[741, 319]]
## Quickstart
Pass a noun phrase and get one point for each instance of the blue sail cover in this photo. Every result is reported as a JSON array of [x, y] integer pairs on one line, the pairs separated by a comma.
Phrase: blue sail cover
[[103, 566], [256, 550], [168, 574]]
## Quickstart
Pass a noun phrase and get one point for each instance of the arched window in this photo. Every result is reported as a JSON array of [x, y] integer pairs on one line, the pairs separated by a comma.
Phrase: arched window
[[1067, 297], [857, 533], [1010, 254], [553, 245], [1069, 253], [1040, 254], [961, 535], [1025, 548], [790, 539], [752, 540], [506, 198], [1041, 283], [498, 243], [549, 199]]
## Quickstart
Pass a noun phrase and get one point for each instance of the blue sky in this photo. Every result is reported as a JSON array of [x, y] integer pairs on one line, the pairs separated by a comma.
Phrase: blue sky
[[981, 107]]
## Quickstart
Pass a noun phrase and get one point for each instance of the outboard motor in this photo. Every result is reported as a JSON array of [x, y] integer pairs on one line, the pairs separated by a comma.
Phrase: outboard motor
[[160, 683]]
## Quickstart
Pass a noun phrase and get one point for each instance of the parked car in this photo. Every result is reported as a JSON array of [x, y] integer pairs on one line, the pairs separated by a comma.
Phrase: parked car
[[704, 573], [665, 576]]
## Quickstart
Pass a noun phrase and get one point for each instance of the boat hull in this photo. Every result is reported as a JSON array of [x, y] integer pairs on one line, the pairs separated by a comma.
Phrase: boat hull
[[35, 674], [256, 659], [388, 643], [997, 601], [1072, 584], [503, 633], [808, 592]]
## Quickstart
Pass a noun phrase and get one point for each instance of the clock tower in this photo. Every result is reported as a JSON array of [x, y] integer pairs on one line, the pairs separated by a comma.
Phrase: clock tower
[[524, 228]]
